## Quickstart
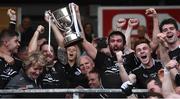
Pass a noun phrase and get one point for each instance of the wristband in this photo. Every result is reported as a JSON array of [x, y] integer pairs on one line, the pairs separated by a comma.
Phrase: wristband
[[38, 31], [119, 64], [166, 71], [12, 22]]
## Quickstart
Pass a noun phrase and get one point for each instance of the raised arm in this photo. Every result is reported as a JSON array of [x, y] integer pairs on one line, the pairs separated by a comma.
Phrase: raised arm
[[127, 83], [33, 44], [120, 24], [167, 85], [151, 12], [131, 24], [163, 49], [122, 72], [171, 66], [12, 24], [88, 47], [57, 33]]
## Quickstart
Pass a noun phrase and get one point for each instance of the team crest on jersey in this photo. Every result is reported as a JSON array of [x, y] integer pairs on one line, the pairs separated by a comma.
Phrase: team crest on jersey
[[8, 72], [78, 72]]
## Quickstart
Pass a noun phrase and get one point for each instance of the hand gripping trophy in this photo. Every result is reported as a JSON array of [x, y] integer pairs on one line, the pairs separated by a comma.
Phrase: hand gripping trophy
[[65, 19]]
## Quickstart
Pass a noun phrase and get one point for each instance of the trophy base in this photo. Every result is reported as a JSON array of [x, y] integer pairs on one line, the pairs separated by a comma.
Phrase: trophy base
[[73, 42]]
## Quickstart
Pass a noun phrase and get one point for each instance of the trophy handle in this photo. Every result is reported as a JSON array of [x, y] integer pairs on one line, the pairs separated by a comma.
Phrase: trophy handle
[[72, 10], [56, 21]]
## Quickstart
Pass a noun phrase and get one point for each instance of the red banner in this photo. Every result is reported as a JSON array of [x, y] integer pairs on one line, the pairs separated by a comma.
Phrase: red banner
[[108, 16]]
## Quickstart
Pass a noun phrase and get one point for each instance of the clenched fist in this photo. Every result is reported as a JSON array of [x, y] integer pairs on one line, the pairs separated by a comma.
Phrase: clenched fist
[[12, 14], [121, 22], [40, 29], [133, 22], [119, 56], [47, 15], [151, 12]]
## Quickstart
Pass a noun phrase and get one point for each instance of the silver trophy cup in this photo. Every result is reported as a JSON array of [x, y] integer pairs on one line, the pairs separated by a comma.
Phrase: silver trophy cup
[[65, 19]]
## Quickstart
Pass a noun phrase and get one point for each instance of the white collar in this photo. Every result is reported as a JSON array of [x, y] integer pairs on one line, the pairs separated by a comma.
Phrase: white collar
[[151, 67]]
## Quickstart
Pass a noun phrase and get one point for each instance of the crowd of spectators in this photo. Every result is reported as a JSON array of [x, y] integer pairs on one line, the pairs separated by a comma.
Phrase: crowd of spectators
[[28, 61]]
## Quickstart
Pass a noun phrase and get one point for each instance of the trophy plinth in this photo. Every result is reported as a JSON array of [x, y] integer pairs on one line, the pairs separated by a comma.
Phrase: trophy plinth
[[72, 40]]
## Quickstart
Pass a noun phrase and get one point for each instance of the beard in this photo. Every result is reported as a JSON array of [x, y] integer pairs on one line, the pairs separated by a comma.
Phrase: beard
[[14, 51], [115, 49]]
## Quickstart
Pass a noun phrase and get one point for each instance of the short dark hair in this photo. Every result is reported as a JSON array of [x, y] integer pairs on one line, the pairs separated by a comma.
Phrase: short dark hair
[[140, 42], [101, 43], [94, 70], [7, 33], [117, 33], [178, 59], [46, 43], [156, 79], [168, 21]]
